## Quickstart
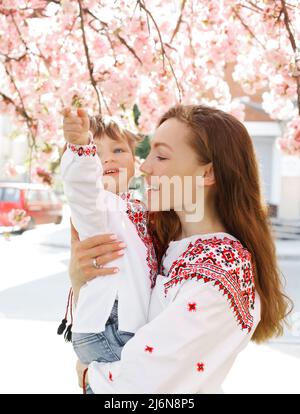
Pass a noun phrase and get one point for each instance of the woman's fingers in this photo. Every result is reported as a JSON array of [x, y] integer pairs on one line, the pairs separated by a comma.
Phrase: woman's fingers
[[108, 257], [105, 248], [90, 272], [98, 240], [99, 251]]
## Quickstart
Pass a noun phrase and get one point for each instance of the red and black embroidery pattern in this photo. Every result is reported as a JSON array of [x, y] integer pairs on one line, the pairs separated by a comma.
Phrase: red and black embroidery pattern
[[138, 214], [192, 307], [225, 263], [86, 150], [200, 366]]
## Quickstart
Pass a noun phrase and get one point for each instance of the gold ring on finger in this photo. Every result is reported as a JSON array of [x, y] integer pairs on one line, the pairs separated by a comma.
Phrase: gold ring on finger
[[95, 264]]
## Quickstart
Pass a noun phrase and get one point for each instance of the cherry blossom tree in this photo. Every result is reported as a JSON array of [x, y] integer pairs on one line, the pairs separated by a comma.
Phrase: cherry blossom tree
[[132, 59]]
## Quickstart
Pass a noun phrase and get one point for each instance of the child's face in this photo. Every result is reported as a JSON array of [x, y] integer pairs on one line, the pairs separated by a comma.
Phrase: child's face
[[117, 162]]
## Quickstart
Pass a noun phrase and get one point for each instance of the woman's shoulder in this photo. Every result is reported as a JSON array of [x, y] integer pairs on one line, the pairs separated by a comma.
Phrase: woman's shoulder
[[225, 264], [224, 252]]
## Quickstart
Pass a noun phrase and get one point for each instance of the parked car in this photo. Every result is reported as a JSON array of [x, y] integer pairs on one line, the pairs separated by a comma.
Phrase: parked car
[[40, 203]]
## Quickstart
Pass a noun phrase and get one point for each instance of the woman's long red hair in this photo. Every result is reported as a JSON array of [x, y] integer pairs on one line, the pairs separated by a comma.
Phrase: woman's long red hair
[[220, 138]]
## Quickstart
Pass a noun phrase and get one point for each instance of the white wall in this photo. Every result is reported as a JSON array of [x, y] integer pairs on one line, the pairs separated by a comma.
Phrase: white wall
[[264, 135], [14, 149], [280, 174], [289, 207]]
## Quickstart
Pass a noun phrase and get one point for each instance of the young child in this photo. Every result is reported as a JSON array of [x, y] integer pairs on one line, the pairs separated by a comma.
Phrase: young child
[[109, 309]]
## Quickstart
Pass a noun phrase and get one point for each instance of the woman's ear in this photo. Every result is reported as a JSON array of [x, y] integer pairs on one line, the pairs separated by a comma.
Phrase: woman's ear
[[208, 175]]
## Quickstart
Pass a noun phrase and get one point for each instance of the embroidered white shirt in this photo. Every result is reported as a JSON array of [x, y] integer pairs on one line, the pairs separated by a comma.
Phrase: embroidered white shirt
[[202, 314], [95, 211]]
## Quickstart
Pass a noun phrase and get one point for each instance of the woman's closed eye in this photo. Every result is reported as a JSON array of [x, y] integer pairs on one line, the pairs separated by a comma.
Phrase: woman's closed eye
[[161, 158]]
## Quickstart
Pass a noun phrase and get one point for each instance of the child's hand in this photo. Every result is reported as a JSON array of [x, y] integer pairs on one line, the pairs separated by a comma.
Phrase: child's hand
[[80, 369], [76, 126]]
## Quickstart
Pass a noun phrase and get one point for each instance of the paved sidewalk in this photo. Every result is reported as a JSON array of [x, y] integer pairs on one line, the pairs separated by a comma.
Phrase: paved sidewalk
[[265, 369], [34, 360]]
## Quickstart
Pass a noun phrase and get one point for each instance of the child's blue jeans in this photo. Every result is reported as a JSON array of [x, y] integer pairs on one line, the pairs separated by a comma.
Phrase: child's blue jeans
[[105, 346]]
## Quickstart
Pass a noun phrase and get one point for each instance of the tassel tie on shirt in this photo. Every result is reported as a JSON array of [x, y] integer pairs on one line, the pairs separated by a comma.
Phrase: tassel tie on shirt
[[63, 326]]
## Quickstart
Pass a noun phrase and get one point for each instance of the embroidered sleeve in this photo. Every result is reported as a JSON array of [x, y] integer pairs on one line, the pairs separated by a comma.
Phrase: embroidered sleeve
[[89, 150], [227, 265], [188, 348]]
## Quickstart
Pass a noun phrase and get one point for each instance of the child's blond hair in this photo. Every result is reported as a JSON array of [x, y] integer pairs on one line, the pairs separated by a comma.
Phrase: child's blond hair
[[100, 126]]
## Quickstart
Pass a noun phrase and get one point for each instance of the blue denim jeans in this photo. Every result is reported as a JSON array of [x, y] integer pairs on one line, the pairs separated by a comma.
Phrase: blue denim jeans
[[105, 346]]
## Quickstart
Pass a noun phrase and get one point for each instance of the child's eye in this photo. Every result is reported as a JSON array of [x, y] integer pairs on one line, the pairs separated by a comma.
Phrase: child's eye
[[160, 158], [117, 150]]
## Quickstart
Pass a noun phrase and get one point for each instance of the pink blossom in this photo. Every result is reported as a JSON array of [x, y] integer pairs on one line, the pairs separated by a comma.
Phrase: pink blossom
[[290, 142], [10, 169], [18, 217], [44, 51], [69, 6]]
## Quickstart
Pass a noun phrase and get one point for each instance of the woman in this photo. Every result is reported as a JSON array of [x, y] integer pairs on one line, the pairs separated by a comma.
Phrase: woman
[[219, 285]]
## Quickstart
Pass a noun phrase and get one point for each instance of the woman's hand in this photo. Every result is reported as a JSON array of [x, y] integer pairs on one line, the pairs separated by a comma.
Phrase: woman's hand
[[80, 369], [102, 248]]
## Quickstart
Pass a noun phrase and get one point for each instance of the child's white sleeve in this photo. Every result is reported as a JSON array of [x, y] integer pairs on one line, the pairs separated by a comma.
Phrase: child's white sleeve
[[81, 172]]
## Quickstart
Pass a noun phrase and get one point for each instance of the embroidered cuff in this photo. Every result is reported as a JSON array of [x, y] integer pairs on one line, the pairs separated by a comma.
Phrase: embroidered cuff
[[88, 150]]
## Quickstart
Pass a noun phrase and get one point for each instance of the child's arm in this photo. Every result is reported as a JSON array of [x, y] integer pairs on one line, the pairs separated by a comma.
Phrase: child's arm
[[81, 171]]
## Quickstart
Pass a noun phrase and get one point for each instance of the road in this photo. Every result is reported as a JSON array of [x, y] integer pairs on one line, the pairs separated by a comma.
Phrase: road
[[34, 359]]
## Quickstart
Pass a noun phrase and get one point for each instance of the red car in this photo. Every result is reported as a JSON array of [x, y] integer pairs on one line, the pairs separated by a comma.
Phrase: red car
[[40, 203]]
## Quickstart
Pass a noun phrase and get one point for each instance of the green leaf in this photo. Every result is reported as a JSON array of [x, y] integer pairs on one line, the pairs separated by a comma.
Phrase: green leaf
[[136, 114], [143, 148]]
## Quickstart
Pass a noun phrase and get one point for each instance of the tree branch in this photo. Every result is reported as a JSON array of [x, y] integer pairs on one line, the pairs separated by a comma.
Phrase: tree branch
[[142, 6], [16, 59], [178, 21], [287, 23], [116, 32], [19, 32], [255, 5], [247, 27], [88, 60], [123, 41], [30, 122], [163, 51], [18, 109]]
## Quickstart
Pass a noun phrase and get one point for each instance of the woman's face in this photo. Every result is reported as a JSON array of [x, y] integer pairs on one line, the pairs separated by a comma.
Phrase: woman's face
[[172, 160], [117, 162]]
